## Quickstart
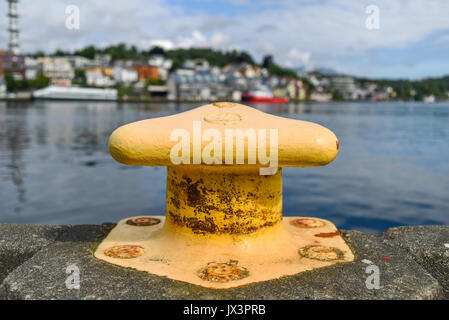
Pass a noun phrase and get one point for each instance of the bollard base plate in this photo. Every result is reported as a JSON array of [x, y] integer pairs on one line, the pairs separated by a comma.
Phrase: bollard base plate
[[296, 245]]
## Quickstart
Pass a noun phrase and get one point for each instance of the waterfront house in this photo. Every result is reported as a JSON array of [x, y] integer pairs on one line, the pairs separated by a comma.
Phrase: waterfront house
[[162, 63], [189, 85], [31, 68], [345, 85], [13, 64], [125, 75], [197, 65], [296, 90], [146, 72], [58, 69], [102, 60], [2, 87], [99, 77], [320, 97], [79, 62]]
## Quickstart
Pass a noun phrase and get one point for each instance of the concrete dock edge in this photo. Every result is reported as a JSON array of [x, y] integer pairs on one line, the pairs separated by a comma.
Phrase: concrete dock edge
[[412, 263]]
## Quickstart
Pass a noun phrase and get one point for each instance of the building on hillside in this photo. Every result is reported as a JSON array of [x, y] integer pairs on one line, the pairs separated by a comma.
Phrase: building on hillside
[[102, 60], [345, 85], [124, 63], [125, 75], [107, 71], [160, 91], [162, 63], [58, 69], [2, 87], [197, 65], [99, 77], [13, 64], [234, 78], [183, 72], [199, 86], [296, 90], [320, 97], [358, 94], [146, 72], [31, 68], [429, 99], [79, 62]]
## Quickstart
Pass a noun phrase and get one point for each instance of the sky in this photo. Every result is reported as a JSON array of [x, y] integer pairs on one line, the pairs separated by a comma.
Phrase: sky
[[411, 41]]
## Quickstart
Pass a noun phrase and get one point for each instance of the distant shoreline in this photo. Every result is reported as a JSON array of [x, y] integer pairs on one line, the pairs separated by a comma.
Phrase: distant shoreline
[[156, 100]]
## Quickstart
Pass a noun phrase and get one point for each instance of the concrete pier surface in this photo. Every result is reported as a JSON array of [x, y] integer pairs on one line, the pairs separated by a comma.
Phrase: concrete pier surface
[[36, 262]]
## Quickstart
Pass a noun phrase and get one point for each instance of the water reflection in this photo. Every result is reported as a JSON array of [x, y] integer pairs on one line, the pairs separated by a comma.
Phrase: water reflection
[[14, 138], [392, 168]]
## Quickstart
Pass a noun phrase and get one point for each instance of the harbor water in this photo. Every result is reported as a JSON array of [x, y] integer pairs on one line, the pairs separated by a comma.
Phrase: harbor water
[[392, 169]]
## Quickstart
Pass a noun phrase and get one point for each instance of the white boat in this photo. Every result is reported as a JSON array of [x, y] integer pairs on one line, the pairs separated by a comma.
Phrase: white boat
[[75, 93], [262, 94]]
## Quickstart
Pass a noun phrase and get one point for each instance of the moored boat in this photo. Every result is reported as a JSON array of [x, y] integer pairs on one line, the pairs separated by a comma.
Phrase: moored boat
[[262, 95], [75, 93]]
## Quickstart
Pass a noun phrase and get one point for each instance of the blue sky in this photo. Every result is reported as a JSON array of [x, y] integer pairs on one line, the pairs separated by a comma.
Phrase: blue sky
[[412, 41]]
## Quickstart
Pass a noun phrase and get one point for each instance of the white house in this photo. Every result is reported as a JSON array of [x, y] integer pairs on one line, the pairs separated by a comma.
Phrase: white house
[[125, 75], [2, 87], [197, 64], [31, 68], [102, 60], [58, 69], [79, 62], [98, 79], [162, 63]]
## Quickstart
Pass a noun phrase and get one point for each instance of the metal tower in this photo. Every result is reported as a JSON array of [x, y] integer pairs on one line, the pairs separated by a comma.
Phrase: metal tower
[[13, 27]]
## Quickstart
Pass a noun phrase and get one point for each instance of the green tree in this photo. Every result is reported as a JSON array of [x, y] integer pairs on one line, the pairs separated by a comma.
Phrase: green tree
[[155, 81], [337, 96], [41, 81], [88, 52], [11, 84], [267, 61]]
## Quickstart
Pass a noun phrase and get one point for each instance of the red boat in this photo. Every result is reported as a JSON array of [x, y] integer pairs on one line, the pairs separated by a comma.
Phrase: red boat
[[262, 95]]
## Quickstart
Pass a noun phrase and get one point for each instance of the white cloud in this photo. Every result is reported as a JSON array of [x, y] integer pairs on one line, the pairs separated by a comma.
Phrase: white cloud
[[163, 43], [325, 31], [303, 57], [196, 39], [220, 39], [199, 40]]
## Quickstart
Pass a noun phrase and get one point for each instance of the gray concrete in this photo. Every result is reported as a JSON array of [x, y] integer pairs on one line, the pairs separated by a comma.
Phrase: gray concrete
[[20, 242], [429, 246], [43, 275]]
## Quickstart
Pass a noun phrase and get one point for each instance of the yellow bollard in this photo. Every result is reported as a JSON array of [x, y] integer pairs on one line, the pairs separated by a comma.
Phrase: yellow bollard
[[223, 225]]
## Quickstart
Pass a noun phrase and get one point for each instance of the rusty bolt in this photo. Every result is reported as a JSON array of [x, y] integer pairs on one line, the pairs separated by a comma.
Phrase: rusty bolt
[[127, 251], [327, 234], [223, 272], [321, 253], [143, 221], [307, 223]]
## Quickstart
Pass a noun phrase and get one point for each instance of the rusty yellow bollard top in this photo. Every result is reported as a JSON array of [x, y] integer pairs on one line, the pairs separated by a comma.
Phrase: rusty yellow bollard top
[[223, 225]]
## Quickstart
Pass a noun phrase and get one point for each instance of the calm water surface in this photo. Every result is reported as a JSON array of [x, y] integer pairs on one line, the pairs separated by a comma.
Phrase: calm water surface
[[392, 169]]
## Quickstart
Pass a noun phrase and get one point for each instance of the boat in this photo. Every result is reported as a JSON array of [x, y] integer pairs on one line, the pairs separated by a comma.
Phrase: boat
[[262, 94], [75, 93]]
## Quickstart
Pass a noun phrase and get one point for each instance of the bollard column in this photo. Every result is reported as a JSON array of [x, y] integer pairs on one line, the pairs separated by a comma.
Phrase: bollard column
[[223, 225], [215, 200]]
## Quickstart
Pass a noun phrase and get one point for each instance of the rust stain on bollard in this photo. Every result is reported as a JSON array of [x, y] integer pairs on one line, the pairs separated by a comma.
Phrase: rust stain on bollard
[[223, 272], [327, 234], [224, 198], [307, 223], [124, 251], [143, 221], [321, 253]]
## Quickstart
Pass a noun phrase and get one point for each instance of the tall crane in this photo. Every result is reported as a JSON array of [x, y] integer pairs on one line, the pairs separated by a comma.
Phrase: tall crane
[[13, 28]]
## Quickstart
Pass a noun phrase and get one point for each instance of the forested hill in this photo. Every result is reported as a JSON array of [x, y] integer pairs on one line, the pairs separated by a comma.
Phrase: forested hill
[[405, 89]]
